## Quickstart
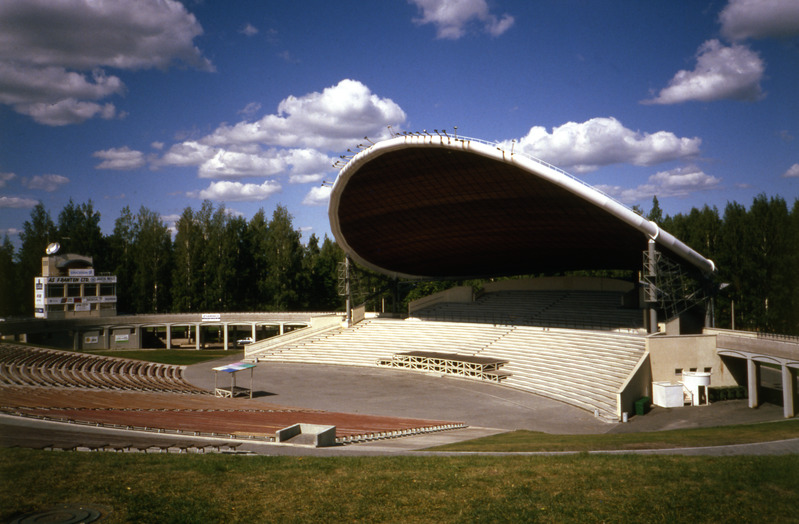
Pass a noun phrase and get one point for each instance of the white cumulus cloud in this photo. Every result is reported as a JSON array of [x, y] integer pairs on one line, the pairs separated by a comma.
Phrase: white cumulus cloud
[[47, 183], [317, 196], [793, 172], [742, 19], [233, 164], [188, 153], [679, 182], [584, 147], [227, 191], [334, 119], [53, 54], [721, 72], [121, 158], [295, 141], [17, 202], [452, 18]]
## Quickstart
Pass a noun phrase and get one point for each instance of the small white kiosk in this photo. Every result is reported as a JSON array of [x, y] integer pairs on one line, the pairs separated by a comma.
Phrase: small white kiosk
[[697, 382]]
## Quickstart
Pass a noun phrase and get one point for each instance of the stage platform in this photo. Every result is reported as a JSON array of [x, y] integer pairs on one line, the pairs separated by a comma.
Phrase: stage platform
[[469, 366]]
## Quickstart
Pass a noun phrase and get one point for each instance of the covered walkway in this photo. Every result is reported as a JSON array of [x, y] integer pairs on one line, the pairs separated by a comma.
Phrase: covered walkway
[[759, 350], [189, 330]]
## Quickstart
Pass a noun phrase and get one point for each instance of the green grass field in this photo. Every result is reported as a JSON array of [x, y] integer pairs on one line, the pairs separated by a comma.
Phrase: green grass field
[[477, 488], [575, 488], [516, 441]]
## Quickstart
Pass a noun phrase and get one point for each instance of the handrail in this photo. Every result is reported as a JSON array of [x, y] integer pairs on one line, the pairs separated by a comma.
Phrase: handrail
[[752, 334], [519, 320]]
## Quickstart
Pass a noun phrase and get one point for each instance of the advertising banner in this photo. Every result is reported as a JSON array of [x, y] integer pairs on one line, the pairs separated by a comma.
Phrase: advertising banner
[[112, 279]]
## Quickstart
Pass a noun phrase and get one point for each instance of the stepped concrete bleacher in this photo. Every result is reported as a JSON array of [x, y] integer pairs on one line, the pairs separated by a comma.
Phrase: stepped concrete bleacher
[[32, 366], [372, 340], [582, 367], [551, 308]]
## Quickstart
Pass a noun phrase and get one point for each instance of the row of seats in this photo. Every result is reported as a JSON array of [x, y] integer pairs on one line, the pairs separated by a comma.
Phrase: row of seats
[[584, 368], [32, 366], [570, 309], [190, 414], [371, 340]]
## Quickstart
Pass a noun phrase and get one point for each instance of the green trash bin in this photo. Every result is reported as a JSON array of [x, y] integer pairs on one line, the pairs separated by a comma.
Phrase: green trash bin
[[642, 405]]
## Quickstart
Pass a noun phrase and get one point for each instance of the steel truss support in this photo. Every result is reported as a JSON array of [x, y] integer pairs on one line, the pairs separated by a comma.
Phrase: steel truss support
[[670, 288]]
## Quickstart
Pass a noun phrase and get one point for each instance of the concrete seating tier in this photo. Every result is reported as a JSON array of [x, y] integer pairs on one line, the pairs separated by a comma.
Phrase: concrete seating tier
[[31, 366], [371, 340], [570, 309], [254, 350], [582, 368]]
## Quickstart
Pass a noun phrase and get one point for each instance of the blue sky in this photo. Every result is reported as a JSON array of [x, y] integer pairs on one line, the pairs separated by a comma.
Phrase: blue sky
[[249, 103]]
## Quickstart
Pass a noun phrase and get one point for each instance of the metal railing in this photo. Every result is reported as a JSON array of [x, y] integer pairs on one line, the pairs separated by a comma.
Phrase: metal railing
[[778, 336], [582, 323]]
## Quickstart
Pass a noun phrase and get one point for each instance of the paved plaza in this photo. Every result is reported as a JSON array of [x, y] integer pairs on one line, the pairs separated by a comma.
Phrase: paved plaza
[[485, 407]]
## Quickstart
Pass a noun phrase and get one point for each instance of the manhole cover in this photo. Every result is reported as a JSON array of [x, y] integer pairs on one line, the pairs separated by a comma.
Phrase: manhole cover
[[63, 514]]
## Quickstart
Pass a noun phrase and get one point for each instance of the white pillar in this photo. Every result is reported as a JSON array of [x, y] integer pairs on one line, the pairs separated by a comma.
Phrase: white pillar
[[753, 381], [788, 392], [253, 331], [281, 328], [224, 327], [197, 337], [169, 336]]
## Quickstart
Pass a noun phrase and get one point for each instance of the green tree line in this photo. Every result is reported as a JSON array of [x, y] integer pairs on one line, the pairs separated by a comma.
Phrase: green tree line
[[216, 262], [219, 262], [756, 251]]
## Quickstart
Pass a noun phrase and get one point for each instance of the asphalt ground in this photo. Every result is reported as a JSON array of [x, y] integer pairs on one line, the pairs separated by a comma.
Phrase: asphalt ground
[[486, 408]]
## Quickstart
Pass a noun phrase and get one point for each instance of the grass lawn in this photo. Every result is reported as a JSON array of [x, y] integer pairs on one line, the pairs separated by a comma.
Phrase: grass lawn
[[575, 488], [716, 436], [179, 357]]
